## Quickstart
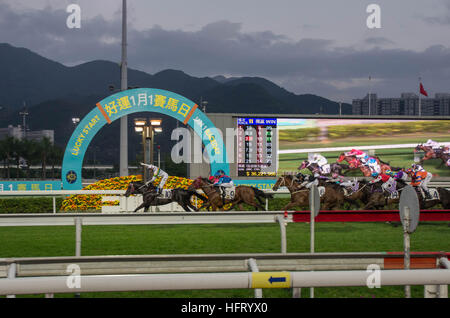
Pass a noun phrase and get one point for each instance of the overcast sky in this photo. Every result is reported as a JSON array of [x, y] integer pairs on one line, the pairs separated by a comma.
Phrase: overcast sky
[[322, 47]]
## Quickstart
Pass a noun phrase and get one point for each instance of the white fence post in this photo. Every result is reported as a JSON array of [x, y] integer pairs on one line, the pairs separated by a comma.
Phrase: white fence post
[[78, 229], [12, 269], [254, 268], [282, 224]]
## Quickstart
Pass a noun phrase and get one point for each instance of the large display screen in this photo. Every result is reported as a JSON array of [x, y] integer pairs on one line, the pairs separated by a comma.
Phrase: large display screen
[[392, 141], [257, 147]]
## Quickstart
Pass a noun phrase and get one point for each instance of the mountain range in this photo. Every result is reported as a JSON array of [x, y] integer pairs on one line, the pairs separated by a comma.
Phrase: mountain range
[[54, 93]]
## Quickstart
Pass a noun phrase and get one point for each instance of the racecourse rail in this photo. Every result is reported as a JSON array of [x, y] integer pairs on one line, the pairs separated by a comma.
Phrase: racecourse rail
[[222, 271], [58, 193], [435, 280]]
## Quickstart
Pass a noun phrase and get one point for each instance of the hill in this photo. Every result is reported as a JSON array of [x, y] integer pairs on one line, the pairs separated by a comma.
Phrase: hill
[[54, 93]]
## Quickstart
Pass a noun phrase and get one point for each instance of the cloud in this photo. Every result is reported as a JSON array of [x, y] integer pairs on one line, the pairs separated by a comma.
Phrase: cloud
[[306, 66], [379, 41], [443, 19]]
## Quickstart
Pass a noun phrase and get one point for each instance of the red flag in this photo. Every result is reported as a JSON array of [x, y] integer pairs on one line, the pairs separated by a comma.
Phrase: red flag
[[423, 91]]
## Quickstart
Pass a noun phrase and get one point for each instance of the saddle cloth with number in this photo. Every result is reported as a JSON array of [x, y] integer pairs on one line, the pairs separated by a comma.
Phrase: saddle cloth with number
[[229, 192]]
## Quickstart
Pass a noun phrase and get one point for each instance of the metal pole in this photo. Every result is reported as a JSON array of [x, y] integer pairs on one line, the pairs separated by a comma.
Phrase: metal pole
[[54, 205], [144, 149], [420, 106], [238, 280], [159, 157], [12, 269], [152, 134], [443, 289], [406, 240], [254, 268], [282, 224], [124, 86], [369, 94], [78, 225], [78, 228]]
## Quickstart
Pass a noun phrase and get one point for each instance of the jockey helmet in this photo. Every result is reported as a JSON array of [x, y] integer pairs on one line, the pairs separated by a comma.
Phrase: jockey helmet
[[374, 174], [219, 173]]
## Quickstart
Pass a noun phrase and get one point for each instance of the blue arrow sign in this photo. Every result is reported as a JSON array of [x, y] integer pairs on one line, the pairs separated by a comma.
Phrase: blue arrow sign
[[277, 279]]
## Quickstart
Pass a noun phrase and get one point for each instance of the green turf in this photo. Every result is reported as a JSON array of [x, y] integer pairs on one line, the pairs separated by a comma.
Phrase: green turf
[[214, 239]]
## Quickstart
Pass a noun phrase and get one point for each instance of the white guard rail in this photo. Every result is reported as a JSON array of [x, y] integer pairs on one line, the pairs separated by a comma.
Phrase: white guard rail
[[245, 280]]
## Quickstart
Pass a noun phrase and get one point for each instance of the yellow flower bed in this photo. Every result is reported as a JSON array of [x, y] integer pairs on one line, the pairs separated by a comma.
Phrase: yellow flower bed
[[94, 202]]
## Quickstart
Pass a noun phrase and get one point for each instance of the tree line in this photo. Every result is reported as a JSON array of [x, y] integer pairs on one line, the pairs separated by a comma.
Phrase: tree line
[[20, 154]]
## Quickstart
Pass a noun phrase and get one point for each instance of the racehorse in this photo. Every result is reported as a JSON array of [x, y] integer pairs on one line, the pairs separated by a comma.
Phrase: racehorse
[[243, 194], [431, 153], [299, 197], [150, 198], [331, 199], [355, 163]]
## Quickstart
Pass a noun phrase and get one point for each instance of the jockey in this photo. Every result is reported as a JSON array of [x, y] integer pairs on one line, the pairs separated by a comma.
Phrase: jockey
[[400, 175], [432, 144], [157, 172], [373, 165], [309, 181], [420, 177], [388, 182], [322, 162], [222, 179], [338, 179], [359, 154]]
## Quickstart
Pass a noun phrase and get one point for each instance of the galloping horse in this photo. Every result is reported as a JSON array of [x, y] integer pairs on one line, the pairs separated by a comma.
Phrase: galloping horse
[[243, 194], [299, 197], [431, 153], [355, 163], [150, 198], [331, 199]]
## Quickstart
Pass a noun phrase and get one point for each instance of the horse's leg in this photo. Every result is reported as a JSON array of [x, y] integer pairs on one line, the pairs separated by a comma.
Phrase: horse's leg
[[185, 207], [139, 207], [290, 205], [190, 205]]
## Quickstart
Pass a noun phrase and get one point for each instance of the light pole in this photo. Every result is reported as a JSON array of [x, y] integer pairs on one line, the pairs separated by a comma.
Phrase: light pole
[[24, 114], [148, 128], [123, 166]]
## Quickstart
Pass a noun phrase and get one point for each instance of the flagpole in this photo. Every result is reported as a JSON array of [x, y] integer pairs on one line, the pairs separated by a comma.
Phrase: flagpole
[[369, 93], [420, 106]]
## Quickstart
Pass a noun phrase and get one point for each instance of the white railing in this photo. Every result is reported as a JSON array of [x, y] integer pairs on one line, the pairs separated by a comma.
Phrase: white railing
[[241, 280], [130, 203]]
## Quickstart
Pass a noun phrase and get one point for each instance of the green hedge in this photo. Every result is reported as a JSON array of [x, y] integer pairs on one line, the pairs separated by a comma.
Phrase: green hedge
[[359, 130], [298, 134], [342, 131], [29, 205]]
